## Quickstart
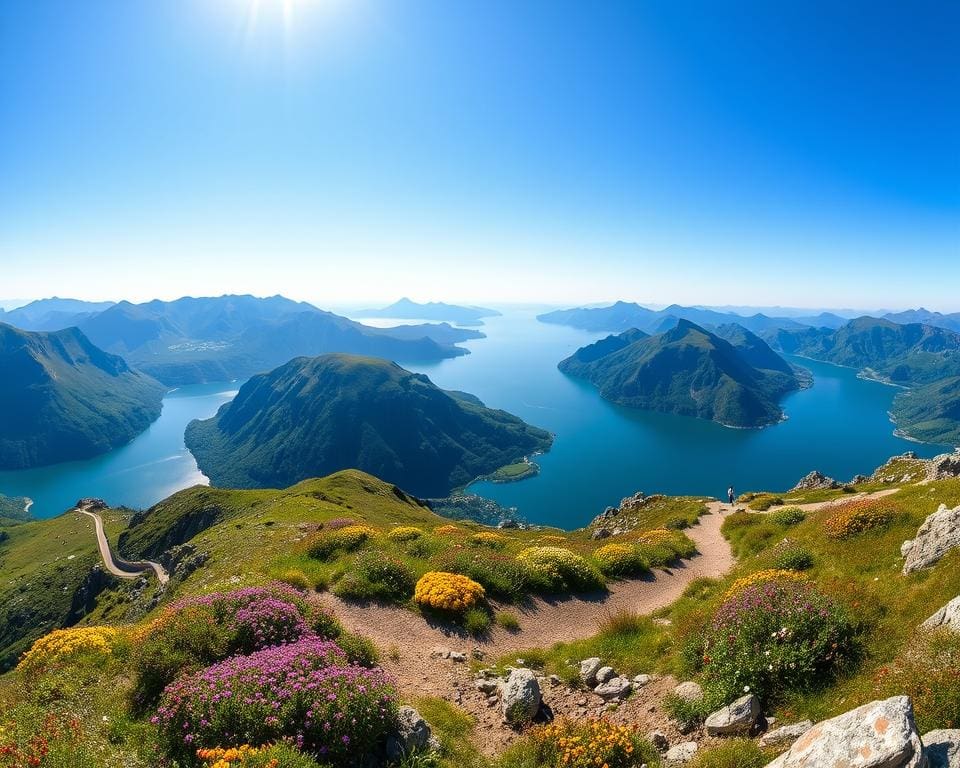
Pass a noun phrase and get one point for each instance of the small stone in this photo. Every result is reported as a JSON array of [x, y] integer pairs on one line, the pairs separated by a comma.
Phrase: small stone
[[604, 674], [588, 670], [555, 680], [682, 753], [641, 680], [486, 686], [615, 688], [477, 653], [785, 734], [738, 717], [659, 740], [438, 651], [457, 656], [689, 691], [412, 734], [520, 697], [581, 702]]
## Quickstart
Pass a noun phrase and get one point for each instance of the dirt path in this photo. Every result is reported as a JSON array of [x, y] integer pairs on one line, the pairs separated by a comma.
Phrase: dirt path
[[126, 570]]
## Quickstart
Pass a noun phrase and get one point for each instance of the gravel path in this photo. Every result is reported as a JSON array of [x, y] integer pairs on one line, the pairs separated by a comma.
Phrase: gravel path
[[125, 570]]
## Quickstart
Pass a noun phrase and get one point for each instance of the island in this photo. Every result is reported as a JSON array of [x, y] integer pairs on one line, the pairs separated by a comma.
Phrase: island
[[405, 309]]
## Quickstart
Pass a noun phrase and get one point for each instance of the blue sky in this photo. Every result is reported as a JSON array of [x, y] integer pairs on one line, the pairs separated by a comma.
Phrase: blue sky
[[799, 153]]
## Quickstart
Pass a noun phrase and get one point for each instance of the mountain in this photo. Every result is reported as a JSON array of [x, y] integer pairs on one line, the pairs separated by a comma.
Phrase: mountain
[[53, 314], [405, 309], [65, 399], [950, 322], [313, 416], [220, 338], [623, 315], [930, 413], [689, 371], [822, 320]]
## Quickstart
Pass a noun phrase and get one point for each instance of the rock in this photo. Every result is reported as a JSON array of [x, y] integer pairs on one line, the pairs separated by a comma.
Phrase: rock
[[881, 734], [412, 734], [942, 748], [457, 656], [588, 670], [659, 740], [555, 680], [487, 686], [600, 533], [906, 547], [786, 734], [944, 466], [604, 674], [641, 680], [689, 691], [438, 651], [520, 697], [614, 688], [504, 524], [938, 534], [859, 479], [815, 481], [682, 753], [947, 617], [477, 653], [736, 718]]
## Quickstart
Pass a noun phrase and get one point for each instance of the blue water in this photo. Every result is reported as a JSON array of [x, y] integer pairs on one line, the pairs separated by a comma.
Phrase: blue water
[[602, 451], [149, 468]]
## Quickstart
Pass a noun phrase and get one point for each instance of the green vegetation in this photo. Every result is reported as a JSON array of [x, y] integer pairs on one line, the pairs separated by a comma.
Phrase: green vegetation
[[314, 416], [65, 399], [930, 413], [13, 510], [690, 371], [511, 473], [736, 753]]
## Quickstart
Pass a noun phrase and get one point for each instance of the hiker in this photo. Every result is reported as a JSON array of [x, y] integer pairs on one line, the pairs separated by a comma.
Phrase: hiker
[[730, 495]]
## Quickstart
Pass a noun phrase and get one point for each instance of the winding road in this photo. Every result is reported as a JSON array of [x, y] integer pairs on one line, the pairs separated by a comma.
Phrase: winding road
[[125, 569]]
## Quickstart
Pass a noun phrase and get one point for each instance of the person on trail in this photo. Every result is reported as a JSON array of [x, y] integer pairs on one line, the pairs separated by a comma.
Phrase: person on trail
[[730, 494]]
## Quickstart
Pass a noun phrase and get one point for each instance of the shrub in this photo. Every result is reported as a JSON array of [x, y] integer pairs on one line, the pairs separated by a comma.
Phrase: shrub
[[377, 576], [736, 753], [677, 523], [500, 575], [66, 645], [488, 539], [552, 539], [662, 546], [773, 636], [762, 577], [764, 501], [556, 569], [266, 622], [794, 558], [296, 579], [447, 591], [689, 713], [303, 692], [928, 671], [360, 650], [589, 743], [619, 560], [447, 530], [476, 621], [856, 516], [507, 621], [405, 533], [347, 539], [787, 516]]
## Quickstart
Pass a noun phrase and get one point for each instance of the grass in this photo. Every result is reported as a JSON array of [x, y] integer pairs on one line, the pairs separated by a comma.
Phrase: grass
[[454, 729], [513, 472]]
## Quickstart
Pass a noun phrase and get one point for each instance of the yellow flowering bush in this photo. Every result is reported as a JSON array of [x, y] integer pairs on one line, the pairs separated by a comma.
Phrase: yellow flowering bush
[[447, 591], [346, 539], [853, 517], [656, 536], [552, 539], [619, 560], [405, 533], [762, 577], [488, 539], [559, 570], [589, 743], [66, 644], [447, 530]]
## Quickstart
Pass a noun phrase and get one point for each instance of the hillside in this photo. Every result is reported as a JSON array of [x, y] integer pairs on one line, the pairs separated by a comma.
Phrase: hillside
[[313, 416], [65, 399], [405, 309], [53, 314], [930, 413], [192, 340], [691, 372]]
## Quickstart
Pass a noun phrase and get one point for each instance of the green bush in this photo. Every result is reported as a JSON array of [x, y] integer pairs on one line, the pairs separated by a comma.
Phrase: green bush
[[787, 516], [794, 558], [555, 569], [688, 713], [736, 753], [507, 621], [476, 621], [500, 575], [348, 539], [772, 638], [360, 650], [677, 523], [377, 576], [620, 560], [764, 501]]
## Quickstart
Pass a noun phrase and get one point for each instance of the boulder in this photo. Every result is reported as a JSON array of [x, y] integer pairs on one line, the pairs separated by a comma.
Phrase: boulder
[[520, 697], [689, 691], [600, 533], [641, 680], [412, 734], [938, 534], [881, 734], [588, 670], [944, 466], [604, 674], [736, 718], [947, 617], [682, 753], [859, 479], [785, 734], [659, 740], [814, 481], [942, 748], [615, 688]]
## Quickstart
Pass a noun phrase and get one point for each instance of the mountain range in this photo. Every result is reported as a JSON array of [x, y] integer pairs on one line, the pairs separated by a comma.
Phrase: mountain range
[[313, 416], [65, 399], [731, 377], [405, 309], [193, 340]]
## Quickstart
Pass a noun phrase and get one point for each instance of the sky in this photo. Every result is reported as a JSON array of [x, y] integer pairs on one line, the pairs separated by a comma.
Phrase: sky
[[337, 151]]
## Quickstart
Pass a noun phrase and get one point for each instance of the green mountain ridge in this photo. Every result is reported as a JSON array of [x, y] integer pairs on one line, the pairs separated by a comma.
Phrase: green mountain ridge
[[689, 371], [65, 399], [314, 416]]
